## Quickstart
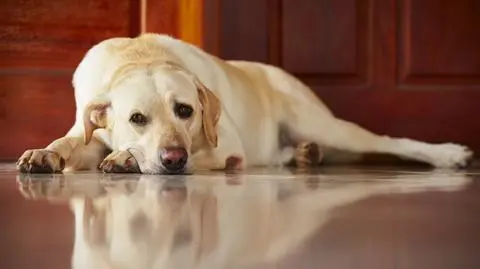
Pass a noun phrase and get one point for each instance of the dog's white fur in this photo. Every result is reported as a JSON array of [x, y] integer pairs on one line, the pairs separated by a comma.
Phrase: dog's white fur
[[257, 105]]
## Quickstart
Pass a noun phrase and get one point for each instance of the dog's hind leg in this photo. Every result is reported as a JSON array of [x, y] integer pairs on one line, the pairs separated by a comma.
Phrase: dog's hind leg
[[309, 122]]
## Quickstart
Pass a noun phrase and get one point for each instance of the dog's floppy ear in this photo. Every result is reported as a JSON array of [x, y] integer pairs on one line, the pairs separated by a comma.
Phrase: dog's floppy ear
[[94, 117], [210, 113]]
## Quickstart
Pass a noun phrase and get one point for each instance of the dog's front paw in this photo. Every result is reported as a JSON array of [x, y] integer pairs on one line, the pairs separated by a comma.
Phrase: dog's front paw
[[451, 156], [40, 161], [120, 161]]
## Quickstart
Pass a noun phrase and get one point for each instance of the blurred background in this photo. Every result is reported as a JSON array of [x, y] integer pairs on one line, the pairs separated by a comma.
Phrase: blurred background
[[398, 67]]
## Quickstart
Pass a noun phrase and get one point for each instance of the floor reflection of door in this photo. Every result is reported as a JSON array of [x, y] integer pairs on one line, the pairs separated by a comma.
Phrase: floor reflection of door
[[405, 67]]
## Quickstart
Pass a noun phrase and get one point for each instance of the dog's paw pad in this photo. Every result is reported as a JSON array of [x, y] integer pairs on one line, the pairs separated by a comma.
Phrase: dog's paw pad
[[40, 161], [307, 155], [120, 161]]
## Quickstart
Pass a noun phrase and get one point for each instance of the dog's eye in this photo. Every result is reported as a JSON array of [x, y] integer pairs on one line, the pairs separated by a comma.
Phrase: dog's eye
[[183, 111], [138, 119]]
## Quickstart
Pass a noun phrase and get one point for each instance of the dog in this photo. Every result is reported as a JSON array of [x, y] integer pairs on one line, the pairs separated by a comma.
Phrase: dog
[[161, 105]]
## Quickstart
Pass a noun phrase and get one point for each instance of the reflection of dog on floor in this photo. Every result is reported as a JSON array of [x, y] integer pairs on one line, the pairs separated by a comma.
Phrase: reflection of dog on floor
[[164, 106], [203, 221]]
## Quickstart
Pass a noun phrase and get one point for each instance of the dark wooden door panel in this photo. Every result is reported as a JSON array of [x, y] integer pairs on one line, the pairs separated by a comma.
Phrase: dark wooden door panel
[[36, 109], [322, 51], [52, 34], [244, 32], [439, 43], [399, 67]]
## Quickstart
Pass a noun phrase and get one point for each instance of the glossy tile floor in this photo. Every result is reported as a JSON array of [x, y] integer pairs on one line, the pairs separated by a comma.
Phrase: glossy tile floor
[[329, 218]]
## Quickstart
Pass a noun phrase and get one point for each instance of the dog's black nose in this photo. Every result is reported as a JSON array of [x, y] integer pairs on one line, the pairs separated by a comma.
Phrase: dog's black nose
[[173, 159]]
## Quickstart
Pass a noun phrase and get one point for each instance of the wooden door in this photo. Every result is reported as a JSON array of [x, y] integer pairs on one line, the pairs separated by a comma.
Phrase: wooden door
[[407, 68]]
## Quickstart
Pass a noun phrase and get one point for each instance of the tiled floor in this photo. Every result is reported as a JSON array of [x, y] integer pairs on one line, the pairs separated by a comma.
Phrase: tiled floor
[[331, 218]]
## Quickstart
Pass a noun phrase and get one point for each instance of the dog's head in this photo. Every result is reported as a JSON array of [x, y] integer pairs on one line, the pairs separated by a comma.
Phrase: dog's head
[[162, 113]]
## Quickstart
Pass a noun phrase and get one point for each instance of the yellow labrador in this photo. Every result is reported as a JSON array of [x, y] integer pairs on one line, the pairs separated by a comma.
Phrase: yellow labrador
[[164, 106]]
